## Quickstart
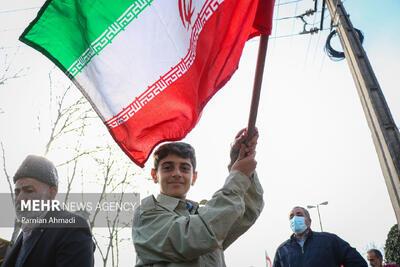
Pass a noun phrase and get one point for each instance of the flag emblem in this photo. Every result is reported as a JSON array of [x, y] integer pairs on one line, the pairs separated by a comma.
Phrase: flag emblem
[[147, 77], [186, 12]]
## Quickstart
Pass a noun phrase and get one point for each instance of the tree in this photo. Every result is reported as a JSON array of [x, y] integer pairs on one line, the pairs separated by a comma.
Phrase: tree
[[71, 117], [114, 177], [87, 159], [392, 246]]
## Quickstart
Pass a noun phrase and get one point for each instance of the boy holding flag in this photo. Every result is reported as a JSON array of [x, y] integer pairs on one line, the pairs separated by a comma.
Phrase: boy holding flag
[[169, 230]]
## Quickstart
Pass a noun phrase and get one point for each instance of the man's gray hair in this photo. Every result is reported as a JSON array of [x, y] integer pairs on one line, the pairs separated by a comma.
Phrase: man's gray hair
[[305, 211]]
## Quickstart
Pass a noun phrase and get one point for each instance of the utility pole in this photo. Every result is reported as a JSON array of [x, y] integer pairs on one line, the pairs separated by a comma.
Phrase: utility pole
[[385, 134]]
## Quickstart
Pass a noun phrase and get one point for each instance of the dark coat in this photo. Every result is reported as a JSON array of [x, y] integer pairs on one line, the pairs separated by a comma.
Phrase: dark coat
[[58, 245], [319, 250]]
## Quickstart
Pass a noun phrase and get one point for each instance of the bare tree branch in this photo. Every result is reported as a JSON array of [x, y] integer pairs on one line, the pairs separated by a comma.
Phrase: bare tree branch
[[5, 73], [77, 157], [6, 173], [70, 180], [58, 118], [17, 224]]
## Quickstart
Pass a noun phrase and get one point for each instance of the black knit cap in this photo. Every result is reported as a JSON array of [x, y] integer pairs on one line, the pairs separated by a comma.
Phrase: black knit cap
[[39, 168]]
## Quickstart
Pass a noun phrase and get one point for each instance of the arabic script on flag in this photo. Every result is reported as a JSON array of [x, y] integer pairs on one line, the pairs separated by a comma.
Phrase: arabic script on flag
[[147, 67]]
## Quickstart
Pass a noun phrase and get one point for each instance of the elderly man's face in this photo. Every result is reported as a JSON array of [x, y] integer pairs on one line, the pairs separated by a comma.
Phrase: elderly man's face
[[373, 260], [300, 213], [31, 189]]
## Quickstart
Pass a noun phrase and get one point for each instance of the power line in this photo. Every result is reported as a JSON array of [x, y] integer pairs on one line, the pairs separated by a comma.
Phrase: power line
[[284, 36], [319, 21], [322, 65], [323, 16], [299, 16], [18, 10], [312, 30], [276, 24], [11, 29], [316, 47], [287, 3], [9, 47], [336, 55], [283, 18], [291, 35], [295, 12], [293, 23]]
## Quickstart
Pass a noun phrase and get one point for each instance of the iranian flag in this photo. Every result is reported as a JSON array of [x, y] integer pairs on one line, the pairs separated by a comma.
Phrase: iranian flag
[[148, 67], [267, 260]]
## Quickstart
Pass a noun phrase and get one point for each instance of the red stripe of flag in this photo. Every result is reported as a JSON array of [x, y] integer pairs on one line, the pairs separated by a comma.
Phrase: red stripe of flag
[[175, 111]]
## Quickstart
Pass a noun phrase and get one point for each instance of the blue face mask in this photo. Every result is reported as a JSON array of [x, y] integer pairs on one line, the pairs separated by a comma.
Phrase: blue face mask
[[298, 224]]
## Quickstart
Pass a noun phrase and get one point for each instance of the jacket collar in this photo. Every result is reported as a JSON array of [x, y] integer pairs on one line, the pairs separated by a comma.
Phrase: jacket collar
[[308, 235], [12, 256], [172, 202], [168, 202], [34, 237], [31, 243]]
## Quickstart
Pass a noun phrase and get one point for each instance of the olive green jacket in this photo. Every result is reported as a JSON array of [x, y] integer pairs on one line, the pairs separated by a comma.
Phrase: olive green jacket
[[165, 233]]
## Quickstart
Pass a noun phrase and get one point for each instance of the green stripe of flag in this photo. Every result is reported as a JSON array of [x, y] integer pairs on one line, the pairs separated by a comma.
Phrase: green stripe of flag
[[66, 31]]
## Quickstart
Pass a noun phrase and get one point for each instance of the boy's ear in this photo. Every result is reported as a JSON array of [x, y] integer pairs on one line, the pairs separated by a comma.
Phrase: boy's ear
[[154, 175], [194, 178]]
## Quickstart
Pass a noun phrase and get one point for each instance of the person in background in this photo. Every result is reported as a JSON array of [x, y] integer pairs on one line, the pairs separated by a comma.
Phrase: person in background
[[375, 259], [43, 242], [306, 248]]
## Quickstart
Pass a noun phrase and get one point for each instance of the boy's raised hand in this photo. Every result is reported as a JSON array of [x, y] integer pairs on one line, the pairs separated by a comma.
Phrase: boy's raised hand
[[245, 162], [243, 153]]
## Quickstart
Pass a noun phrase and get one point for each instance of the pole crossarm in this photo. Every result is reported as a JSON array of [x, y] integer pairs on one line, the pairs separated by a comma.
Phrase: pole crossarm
[[385, 134]]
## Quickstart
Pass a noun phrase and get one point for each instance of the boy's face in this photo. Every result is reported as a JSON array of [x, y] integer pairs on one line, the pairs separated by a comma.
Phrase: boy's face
[[175, 175]]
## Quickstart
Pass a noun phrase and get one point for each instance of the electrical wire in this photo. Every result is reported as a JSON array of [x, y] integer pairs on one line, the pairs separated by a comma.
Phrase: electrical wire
[[284, 36], [11, 29], [287, 3], [333, 54], [9, 47], [316, 47], [289, 35], [319, 22], [293, 23], [312, 30], [18, 10], [298, 16], [276, 24]]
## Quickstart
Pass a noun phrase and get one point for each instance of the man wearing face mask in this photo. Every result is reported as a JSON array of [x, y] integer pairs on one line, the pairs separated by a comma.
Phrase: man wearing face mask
[[306, 248]]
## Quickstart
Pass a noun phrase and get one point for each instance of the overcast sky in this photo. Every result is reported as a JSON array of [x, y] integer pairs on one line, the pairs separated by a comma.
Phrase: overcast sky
[[314, 146]]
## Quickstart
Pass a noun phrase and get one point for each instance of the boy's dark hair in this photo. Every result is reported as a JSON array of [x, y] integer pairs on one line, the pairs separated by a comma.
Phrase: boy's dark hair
[[180, 149]]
